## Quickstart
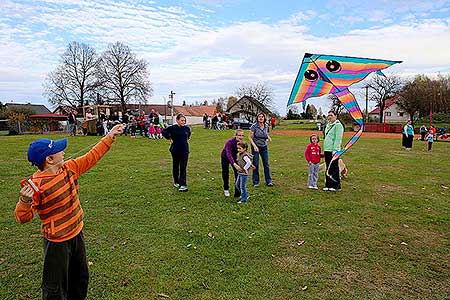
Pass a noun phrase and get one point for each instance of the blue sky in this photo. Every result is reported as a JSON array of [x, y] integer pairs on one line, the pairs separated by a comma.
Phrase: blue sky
[[206, 49]]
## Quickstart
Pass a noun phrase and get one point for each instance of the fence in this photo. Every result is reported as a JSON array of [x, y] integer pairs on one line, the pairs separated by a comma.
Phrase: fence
[[383, 127]]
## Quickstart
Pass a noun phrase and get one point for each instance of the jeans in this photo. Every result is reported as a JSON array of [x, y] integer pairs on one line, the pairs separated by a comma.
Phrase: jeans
[[241, 184], [72, 129], [264, 153], [334, 180], [66, 273], [179, 166], [313, 174], [226, 175]]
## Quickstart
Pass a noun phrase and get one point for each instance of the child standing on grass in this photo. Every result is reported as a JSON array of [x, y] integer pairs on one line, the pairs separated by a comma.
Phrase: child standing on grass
[[54, 197], [152, 131], [244, 164], [312, 156], [430, 139]]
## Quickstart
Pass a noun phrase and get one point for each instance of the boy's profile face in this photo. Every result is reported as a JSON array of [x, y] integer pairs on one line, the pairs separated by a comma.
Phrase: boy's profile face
[[57, 159]]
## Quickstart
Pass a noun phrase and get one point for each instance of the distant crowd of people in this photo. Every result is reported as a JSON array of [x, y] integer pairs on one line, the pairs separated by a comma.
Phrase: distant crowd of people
[[218, 122], [145, 125], [427, 135]]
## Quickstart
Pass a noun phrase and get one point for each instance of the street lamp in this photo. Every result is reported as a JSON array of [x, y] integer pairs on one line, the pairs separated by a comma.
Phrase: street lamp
[[171, 106]]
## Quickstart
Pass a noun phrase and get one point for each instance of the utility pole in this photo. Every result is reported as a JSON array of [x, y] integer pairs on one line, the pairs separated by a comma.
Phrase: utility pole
[[171, 105], [367, 103]]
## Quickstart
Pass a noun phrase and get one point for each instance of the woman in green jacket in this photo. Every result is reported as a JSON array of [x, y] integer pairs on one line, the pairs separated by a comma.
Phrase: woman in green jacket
[[332, 143]]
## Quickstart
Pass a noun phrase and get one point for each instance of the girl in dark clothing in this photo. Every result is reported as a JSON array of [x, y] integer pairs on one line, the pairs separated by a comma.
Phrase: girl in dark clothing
[[179, 135]]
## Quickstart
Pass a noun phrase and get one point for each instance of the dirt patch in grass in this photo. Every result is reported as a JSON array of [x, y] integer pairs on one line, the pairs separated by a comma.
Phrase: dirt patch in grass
[[378, 135]]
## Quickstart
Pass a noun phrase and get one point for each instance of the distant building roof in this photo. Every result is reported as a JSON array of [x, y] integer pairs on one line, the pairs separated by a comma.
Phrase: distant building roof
[[35, 108], [48, 117], [389, 102], [196, 111], [254, 101]]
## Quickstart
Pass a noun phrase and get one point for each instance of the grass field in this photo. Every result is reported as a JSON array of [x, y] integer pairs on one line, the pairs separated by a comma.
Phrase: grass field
[[386, 235]]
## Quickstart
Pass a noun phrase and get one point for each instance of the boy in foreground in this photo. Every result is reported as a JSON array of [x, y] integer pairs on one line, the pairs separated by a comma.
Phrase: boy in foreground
[[53, 194]]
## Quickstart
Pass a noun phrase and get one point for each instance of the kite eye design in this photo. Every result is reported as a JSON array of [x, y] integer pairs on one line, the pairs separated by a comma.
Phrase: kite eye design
[[333, 66], [311, 75]]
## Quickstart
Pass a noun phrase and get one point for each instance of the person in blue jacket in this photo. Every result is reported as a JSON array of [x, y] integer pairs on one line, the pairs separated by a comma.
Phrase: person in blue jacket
[[179, 134]]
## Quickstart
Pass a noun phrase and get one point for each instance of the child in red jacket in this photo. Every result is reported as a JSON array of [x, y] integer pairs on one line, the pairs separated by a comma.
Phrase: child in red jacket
[[312, 156]]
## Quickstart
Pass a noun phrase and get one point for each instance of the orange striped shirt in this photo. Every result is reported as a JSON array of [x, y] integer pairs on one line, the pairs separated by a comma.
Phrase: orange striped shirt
[[58, 205]]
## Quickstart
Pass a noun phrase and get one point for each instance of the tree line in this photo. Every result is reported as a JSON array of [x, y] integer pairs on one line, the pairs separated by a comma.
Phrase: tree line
[[418, 96], [115, 76]]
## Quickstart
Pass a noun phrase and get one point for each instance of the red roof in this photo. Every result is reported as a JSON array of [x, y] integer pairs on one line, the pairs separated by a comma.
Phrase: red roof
[[48, 117], [387, 104], [197, 111]]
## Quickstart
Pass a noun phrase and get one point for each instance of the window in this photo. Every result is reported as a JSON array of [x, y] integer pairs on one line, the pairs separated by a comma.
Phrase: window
[[400, 114], [388, 114]]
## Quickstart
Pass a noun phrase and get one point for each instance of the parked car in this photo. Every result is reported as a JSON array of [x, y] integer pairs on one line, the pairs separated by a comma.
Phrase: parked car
[[241, 123]]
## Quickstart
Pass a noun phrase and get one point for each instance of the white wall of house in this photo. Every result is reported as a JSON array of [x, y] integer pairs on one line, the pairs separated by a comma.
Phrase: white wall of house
[[394, 114]]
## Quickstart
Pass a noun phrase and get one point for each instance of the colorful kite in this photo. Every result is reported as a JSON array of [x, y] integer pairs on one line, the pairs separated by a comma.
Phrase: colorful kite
[[329, 74]]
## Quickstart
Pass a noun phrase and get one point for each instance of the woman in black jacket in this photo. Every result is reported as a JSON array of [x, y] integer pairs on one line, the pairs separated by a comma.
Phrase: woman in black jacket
[[179, 135]]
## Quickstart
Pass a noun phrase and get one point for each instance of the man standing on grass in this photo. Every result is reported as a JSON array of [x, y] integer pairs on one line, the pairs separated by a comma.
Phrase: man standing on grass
[[52, 192], [332, 143]]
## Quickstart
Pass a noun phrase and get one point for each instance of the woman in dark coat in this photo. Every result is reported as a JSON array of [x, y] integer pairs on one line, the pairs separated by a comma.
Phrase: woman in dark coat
[[179, 135]]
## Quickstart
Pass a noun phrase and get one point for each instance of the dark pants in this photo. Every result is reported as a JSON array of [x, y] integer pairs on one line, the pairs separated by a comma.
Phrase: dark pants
[[179, 166], [422, 136], [332, 181], [430, 144], [409, 141], [226, 175], [66, 273]]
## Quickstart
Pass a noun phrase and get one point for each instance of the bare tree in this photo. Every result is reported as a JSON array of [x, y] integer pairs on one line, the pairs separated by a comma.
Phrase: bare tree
[[123, 77], [259, 91], [336, 104], [383, 87], [73, 80]]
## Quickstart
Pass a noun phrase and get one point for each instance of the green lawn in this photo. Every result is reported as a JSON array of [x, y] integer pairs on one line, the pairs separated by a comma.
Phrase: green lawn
[[386, 235]]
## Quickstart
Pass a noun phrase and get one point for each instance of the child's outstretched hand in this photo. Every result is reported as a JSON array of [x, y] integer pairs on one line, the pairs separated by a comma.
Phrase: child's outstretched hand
[[116, 130]]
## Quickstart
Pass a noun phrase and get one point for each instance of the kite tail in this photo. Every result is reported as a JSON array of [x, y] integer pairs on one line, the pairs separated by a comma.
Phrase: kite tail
[[349, 102]]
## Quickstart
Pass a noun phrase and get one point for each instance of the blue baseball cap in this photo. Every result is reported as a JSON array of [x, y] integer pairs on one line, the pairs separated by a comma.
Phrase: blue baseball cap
[[41, 148]]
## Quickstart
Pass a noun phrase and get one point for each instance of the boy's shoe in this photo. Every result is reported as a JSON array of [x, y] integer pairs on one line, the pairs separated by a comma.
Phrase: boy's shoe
[[242, 201], [176, 185], [183, 188], [256, 185], [315, 187], [325, 189], [310, 187], [226, 193], [332, 190], [269, 184]]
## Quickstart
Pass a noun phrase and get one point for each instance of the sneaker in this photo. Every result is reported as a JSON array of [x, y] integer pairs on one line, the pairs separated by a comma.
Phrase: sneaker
[[256, 185], [269, 184], [242, 201], [183, 188], [325, 189], [315, 187], [332, 190], [226, 193], [176, 185], [310, 187]]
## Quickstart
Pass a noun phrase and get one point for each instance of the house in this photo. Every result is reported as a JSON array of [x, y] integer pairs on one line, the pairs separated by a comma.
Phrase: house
[[36, 109], [392, 112], [247, 108], [194, 114]]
